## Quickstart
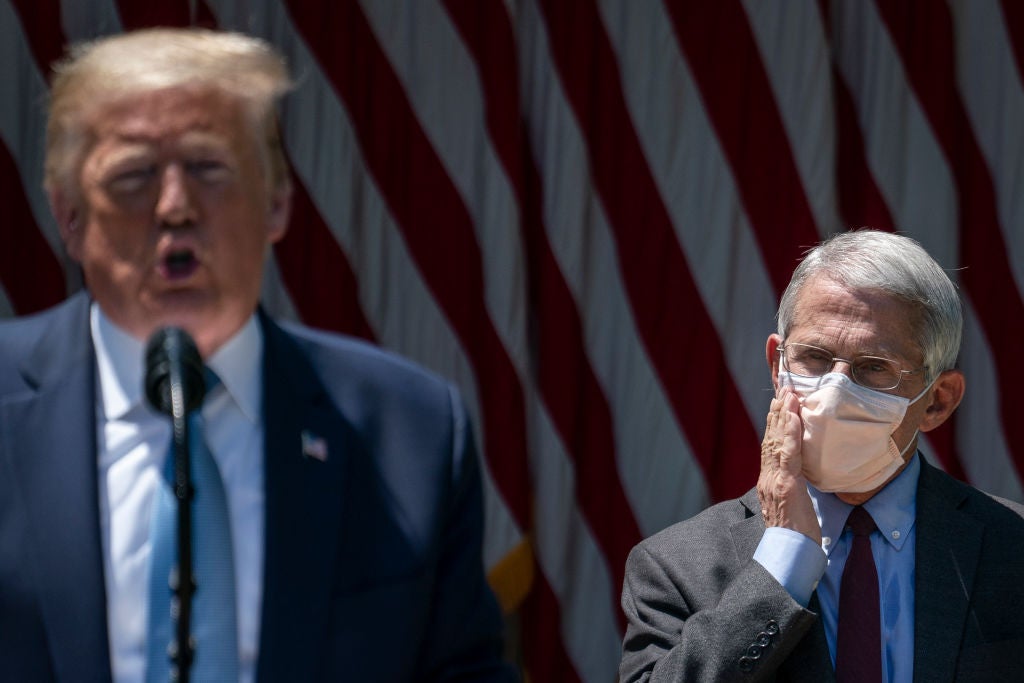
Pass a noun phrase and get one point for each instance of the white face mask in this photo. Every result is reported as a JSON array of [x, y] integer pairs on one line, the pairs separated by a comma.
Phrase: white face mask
[[847, 440]]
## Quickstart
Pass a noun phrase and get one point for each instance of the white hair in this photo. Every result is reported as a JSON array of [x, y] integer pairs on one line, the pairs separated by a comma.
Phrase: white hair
[[898, 266], [100, 72]]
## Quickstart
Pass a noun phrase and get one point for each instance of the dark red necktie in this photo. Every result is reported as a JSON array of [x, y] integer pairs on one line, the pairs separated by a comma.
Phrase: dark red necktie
[[859, 638]]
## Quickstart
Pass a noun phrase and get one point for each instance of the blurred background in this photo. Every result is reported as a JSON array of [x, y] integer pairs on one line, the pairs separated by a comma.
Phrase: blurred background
[[583, 212]]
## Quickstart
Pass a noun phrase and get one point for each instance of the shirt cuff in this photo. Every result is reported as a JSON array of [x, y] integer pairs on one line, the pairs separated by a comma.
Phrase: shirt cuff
[[793, 559]]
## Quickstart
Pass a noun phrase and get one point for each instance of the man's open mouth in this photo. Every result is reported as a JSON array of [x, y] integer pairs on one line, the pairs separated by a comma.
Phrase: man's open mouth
[[180, 264]]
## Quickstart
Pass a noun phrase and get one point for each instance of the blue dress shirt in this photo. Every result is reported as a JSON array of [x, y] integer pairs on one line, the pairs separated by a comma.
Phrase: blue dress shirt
[[801, 566]]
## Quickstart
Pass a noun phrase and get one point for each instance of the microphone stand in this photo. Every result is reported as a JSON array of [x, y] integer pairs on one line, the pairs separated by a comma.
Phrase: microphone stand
[[182, 582], [175, 386]]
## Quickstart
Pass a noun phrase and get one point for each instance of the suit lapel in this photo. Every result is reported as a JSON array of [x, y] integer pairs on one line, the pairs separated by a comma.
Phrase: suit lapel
[[304, 499], [948, 545], [56, 470]]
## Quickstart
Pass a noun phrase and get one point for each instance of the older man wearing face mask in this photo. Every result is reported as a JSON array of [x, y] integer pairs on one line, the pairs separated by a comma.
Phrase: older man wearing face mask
[[853, 559]]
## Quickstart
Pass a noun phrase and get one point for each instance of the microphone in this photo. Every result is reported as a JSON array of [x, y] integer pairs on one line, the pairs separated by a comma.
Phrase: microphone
[[175, 386], [174, 372]]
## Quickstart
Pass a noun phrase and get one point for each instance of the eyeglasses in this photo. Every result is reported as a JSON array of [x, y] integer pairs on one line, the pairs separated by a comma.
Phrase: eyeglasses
[[871, 372]]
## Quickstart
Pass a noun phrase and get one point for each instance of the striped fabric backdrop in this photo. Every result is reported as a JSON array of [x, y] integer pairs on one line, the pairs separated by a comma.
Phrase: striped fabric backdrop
[[583, 212]]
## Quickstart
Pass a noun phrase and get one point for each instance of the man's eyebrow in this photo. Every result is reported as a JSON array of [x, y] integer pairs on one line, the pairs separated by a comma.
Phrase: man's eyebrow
[[124, 153], [203, 140]]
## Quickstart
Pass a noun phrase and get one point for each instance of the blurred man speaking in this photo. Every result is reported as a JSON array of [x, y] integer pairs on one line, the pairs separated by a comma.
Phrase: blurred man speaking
[[351, 481]]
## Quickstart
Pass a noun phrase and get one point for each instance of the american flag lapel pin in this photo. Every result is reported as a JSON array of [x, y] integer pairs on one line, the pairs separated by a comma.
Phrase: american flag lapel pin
[[314, 446]]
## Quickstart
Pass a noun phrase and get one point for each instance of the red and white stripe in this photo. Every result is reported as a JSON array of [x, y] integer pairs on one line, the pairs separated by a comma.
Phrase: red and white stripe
[[583, 213]]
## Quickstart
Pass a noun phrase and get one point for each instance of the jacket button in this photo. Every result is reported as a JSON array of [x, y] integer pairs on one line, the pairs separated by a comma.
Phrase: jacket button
[[772, 627], [746, 664], [763, 639], [754, 651]]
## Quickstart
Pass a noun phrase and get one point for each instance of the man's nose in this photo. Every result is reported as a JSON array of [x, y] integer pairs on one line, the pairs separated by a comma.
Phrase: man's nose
[[175, 205], [843, 366]]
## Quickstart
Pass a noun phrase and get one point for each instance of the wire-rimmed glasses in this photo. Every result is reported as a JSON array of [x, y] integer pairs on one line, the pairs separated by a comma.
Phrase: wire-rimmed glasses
[[872, 372]]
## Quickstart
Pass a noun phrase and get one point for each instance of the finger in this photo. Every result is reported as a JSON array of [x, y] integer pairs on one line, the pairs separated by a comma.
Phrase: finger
[[789, 401], [789, 432]]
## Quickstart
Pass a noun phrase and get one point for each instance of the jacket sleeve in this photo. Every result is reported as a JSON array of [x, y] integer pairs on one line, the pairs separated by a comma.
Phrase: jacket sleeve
[[693, 619], [465, 638]]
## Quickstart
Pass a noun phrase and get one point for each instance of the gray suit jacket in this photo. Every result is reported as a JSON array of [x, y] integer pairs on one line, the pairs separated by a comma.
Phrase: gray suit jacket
[[696, 602]]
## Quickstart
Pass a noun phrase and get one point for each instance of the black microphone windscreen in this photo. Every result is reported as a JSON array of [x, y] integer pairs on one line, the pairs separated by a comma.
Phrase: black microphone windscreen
[[169, 347]]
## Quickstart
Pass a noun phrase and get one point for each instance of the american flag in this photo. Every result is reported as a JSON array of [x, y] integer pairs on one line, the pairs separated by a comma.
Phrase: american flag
[[583, 212]]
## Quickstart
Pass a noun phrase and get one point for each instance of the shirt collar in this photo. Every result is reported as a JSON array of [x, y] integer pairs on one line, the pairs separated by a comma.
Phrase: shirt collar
[[237, 363], [119, 364], [894, 509], [119, 359]]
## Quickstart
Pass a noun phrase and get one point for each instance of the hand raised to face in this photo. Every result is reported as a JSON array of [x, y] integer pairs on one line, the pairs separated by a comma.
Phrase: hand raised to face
[[781, 486]]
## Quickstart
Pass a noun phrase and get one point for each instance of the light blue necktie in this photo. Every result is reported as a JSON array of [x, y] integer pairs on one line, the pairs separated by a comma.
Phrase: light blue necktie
[[213, 623]]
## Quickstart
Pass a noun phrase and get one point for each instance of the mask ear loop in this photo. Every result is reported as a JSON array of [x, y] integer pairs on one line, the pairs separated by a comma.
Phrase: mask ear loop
[[923, 392], [907, 447], [917, 432]]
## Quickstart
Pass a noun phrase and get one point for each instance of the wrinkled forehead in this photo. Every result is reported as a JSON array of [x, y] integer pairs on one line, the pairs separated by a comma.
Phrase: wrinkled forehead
[[867, 321], [822, 289]]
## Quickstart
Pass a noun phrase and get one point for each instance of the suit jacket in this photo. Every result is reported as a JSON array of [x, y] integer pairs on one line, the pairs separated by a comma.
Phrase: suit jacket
[[697, 603], [373, 567]]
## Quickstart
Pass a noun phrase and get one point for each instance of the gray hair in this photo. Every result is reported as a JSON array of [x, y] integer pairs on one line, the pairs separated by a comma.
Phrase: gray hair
[[896, 265], [98, 73]]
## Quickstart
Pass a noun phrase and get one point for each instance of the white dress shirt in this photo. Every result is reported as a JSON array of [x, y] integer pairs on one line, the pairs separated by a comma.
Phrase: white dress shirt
[[133, 441]]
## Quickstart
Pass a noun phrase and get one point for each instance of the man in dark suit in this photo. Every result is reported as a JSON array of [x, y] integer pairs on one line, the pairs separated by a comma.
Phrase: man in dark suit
[[757, 588], [351, 479]]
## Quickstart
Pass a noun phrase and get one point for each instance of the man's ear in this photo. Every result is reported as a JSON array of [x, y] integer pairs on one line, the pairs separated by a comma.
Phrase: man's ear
[[69, 222], [279, 212], [772, 356], [946, 394]]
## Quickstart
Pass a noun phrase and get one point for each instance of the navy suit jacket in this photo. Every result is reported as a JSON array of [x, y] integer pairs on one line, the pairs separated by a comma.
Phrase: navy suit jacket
[[373, 567]]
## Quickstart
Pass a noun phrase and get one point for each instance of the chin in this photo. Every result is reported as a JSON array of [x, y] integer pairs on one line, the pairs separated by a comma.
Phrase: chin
[[208, 320], [197, 325]]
